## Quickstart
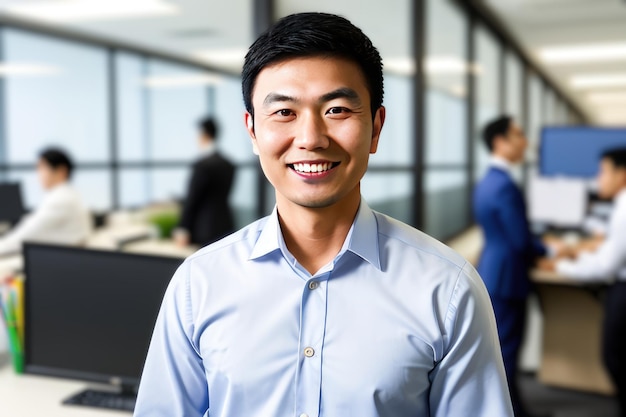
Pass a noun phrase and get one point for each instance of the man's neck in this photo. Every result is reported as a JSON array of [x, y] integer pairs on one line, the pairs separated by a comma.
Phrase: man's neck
[[314, 236], [56, 184], [504, 159], [207, 148]]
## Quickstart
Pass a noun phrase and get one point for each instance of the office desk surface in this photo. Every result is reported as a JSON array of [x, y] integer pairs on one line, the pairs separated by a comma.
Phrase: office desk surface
[[572, 334], [547, 277], [31, 395], [159, 247]]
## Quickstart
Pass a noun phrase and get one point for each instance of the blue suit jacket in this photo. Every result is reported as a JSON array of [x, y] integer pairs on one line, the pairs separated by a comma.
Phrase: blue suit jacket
[[510, 248]]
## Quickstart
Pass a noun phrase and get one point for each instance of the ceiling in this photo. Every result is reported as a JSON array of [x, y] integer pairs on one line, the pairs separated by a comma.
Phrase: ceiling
[[219, 32], [593, 24], [209, 31]]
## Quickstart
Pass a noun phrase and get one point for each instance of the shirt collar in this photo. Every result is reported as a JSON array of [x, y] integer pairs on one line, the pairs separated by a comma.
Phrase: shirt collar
[[620, 198], [60, 186], [362, 239], [501, 163]]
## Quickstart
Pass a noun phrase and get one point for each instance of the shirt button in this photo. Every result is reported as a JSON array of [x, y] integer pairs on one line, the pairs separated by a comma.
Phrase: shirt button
[[304, 415], [313, 285], [308, 352]]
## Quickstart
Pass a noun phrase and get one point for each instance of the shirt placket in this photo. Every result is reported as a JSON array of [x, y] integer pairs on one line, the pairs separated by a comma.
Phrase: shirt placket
[[311, 345]]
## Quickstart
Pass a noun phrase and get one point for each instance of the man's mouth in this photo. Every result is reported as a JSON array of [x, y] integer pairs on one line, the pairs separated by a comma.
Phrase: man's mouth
[[308, 168]]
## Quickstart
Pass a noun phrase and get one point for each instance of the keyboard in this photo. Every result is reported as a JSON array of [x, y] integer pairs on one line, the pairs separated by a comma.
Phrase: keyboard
[[103, 399]]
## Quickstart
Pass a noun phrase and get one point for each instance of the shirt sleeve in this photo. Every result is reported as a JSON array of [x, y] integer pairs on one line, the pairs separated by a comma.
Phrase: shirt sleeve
[[470, 379], [32, 227], [601, 265], [605, 262], [173, 382]]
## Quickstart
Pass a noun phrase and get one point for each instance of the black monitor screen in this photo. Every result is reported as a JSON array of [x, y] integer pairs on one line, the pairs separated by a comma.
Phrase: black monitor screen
[[575, 151], [89, 313], [11, 206]]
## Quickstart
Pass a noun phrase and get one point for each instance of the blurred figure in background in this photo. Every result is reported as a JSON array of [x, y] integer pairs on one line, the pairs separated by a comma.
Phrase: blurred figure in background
[[607, 262], [206, 215], [510, 248], [61, 217]]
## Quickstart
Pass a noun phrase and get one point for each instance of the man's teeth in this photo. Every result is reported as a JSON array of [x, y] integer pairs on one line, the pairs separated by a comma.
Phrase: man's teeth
[[313, 167]]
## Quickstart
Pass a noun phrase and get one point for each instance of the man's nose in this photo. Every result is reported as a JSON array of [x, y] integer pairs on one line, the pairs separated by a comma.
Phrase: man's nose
[[312, 132]]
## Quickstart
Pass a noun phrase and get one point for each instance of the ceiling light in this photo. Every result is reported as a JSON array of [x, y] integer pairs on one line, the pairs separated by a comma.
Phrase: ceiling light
[[175, 81], [437, 65], [444, 65], [433, 65], [27, 69], [614, 97], [81, 10], [399, 65], [599, 80], [600, 52], [231, 57]]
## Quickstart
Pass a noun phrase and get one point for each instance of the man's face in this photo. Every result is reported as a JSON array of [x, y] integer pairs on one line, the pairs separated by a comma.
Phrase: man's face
[[313, 129], [513, 144], [611, 179], [45, 173]]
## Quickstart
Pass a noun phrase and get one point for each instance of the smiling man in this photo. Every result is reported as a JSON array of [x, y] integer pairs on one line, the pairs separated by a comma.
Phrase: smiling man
[[325, 307]]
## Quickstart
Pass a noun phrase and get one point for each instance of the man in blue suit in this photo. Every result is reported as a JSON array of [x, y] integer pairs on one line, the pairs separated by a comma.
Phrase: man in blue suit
[[509, 248]]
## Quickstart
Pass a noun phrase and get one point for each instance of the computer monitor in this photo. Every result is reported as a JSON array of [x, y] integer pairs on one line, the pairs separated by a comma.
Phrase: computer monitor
[[12, 207], [575, 151], [89, 315]]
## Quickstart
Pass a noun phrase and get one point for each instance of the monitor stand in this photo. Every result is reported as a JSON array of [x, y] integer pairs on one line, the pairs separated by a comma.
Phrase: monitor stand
[[123, 399]]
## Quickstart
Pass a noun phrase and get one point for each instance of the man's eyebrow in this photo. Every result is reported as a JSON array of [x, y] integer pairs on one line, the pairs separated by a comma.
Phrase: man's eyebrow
[[278, 98], [343, 92]]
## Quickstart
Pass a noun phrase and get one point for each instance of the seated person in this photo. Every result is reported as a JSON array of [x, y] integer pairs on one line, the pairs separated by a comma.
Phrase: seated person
[[605, 260], [61, 217]]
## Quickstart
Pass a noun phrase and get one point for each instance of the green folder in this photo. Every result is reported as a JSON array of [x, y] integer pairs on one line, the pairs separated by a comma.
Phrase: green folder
[[15, 346]]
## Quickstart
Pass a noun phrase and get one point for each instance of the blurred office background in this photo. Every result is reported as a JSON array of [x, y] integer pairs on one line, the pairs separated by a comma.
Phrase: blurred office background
[[122, 84]]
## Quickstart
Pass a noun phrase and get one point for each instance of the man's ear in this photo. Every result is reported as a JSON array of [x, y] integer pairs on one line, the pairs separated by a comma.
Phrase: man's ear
[[379, 121], [249, 121]]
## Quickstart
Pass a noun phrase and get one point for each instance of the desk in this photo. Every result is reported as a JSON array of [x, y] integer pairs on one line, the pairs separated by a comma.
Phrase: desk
[[159, 247], [31, 395], [572, 332]]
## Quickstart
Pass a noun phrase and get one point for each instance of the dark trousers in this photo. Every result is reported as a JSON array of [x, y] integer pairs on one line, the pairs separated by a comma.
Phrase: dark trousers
[[614, 339], [510, 318]]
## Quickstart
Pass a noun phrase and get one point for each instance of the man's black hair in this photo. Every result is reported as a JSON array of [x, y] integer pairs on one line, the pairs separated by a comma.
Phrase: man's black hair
[[495, 128], [314, 34], [57, 158], [617, 156], [209, 127]]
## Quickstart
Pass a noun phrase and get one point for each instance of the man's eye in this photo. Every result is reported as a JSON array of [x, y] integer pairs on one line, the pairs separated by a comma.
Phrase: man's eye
[[337, 110], [284, 113]]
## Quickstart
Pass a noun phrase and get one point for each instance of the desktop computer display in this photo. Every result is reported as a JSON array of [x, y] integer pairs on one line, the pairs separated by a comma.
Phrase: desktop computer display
[[575, 151], [89, 315], [12, 207]]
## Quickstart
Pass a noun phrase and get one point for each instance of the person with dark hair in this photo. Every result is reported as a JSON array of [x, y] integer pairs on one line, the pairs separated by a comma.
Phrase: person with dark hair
[[61, 217], [206, 214], [325, 307], [607, 263], [509, 247]]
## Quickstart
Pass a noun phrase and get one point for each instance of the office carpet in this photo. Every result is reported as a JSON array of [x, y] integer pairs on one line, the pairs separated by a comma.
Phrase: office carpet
[[557, 402]]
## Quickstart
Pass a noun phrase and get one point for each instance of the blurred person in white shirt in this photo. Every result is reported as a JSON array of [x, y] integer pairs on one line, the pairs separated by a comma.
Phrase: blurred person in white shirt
[[61, 217], [604, 260]]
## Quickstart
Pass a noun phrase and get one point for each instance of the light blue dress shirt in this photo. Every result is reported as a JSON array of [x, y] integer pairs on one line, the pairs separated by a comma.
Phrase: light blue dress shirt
[[397, 325]]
